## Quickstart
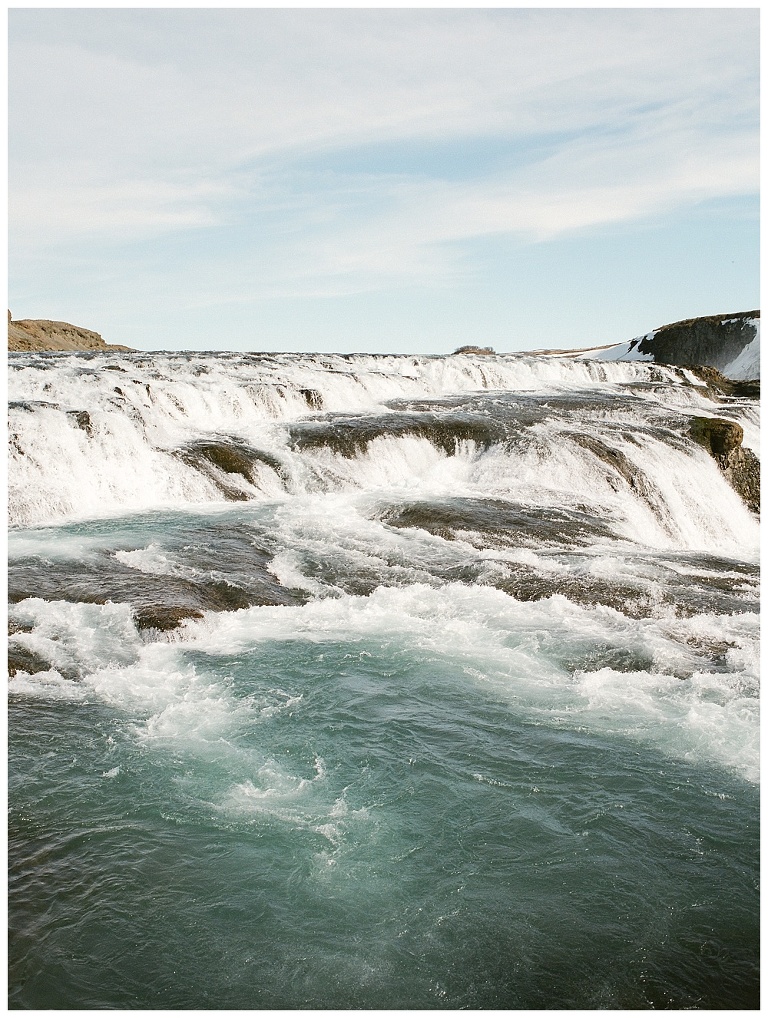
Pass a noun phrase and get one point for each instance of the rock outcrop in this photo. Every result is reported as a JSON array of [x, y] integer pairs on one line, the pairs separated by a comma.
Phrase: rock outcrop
[[722, 439], [718, 385], [41, 334], [729, 344], [715, 340]]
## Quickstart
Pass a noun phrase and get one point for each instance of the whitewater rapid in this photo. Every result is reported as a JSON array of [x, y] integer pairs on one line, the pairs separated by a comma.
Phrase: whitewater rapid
[[94, 435], [521, 479]]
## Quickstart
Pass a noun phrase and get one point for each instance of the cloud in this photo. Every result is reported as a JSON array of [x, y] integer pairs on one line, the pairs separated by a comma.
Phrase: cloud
[[126, 209], [226, 86], [362, 233], [136, 124]]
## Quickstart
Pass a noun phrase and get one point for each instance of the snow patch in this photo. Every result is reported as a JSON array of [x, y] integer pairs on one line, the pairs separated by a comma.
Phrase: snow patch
[[621, 352], [747, 364]]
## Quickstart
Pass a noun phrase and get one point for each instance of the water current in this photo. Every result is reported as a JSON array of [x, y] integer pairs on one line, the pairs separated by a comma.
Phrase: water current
[[379, 682]]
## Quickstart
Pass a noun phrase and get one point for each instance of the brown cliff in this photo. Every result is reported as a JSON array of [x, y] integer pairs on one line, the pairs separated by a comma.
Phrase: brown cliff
[[40, 334]]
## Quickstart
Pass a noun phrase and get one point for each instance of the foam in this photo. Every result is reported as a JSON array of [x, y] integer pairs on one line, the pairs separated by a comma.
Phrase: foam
[[541, 657], [154, 561], [521, 649], [528, 652]]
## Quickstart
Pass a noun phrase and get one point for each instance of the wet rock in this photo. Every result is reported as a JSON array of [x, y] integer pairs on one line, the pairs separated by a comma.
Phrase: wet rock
[[527, 584], [82, 419], [14, 626], [614, 458], [30, 405], [744, 476], [684, 596], [718, 385], [183, 599], [161, 601], [349, 437], [313, 398], [718, 436], [227, 457], [492, 523], [621, 464], [604, 655], [723, 441], [475, 350], [22, 660], [164, 617]]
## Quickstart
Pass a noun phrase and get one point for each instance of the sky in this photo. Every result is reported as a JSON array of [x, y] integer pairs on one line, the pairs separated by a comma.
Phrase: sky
[[382, 180]]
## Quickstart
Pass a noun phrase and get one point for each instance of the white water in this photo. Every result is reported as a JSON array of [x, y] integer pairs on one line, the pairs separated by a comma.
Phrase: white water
[[521, 652], [127, 459]]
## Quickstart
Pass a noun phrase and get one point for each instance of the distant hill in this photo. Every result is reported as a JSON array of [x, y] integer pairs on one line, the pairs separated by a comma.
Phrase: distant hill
[[40, 334]]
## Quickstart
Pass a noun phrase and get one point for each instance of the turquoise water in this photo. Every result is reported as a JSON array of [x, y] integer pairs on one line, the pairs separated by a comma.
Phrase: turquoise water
[[372, 831]]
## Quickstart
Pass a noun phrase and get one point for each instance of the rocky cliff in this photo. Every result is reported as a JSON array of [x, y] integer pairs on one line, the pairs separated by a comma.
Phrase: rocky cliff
[[720, 341], [40, 334], [729, 344]]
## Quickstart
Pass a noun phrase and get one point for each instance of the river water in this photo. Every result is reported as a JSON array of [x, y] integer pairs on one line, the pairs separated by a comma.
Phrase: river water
[[378, 682]]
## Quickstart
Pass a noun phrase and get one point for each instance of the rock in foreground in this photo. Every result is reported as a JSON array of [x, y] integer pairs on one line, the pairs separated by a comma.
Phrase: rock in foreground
[[723, 441]]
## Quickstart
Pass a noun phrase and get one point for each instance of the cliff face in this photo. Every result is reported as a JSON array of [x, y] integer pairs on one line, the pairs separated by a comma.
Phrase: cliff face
[[716, 340], [30, 334]]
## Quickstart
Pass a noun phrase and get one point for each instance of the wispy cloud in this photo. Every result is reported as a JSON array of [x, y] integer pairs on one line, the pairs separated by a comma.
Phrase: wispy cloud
[[124, 209], [129, 125], [353, 233]]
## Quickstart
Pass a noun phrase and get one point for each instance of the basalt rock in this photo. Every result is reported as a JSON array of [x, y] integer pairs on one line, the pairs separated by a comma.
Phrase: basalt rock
[[20, 659], [158, 601], [625, 468], [492, 523], [723, 441], [713, 340], [718, 436], [349, 437], [82, 419], [313, 398], [228, 457]]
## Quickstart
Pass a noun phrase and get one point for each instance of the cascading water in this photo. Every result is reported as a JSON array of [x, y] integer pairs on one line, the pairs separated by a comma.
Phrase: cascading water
[[379, 682]]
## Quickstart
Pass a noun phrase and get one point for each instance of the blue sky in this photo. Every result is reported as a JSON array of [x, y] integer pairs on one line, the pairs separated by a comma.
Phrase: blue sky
[[385, 180]]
